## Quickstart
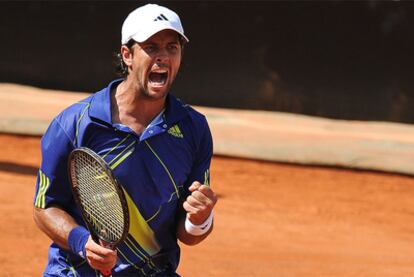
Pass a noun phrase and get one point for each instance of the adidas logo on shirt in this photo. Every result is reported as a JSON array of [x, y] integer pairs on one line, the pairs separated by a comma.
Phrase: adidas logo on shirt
[[175, 131]]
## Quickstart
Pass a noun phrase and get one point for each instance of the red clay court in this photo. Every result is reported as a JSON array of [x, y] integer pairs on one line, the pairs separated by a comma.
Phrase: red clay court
[[272, 219]]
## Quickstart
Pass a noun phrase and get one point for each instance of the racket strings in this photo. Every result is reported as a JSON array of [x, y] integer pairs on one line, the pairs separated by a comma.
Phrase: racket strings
[[100, 199]]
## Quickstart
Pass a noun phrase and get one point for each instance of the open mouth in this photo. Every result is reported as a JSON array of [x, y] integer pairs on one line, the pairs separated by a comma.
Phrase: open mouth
[[158, 78]]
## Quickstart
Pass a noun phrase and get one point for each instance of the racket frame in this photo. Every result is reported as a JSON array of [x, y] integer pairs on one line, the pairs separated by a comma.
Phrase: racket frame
[[98, 238]]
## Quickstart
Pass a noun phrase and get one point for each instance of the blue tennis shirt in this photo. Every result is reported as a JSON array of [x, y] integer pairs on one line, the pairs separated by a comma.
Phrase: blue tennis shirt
[[154, 168]]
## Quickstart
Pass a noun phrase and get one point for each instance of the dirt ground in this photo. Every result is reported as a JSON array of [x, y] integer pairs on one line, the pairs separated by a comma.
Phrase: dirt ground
[[271, 220]]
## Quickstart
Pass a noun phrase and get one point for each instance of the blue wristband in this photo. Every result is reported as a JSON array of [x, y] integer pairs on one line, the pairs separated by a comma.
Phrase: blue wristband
[[77, 240]]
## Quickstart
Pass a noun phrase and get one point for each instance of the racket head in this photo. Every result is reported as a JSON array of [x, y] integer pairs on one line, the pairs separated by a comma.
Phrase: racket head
[[99, 197]]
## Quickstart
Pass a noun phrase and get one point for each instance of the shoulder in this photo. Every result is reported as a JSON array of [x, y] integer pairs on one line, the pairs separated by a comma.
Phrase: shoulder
[[65, 124], [199, 122], [197, 131], [96, 101], [70, 115], [193, 112], [194, 117], [195, 125]]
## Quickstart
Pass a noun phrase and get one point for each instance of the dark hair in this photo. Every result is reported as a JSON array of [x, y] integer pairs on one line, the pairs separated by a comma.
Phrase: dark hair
[[121, 69]]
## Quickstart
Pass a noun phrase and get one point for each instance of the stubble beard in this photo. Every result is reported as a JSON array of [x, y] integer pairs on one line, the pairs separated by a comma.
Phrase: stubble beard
[[149, 95]]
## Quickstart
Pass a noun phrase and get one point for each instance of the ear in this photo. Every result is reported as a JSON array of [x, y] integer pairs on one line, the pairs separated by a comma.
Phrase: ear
[[126, 54]]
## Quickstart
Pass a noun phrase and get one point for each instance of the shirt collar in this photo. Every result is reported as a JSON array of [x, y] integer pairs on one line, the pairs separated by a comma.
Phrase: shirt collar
[[101, 103], [100, 107]]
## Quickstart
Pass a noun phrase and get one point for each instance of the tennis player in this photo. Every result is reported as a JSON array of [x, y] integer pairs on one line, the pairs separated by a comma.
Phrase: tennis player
[[158, 148]]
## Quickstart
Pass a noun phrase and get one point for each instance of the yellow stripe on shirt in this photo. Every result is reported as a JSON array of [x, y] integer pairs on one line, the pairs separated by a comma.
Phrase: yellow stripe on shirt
[[114, 162], [44, 183], [79, 120], [39, 189], [140, 230], [165, 168], [116, 146]]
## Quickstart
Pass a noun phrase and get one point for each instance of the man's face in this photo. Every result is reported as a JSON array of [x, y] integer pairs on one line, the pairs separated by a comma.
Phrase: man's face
[[155, 63]]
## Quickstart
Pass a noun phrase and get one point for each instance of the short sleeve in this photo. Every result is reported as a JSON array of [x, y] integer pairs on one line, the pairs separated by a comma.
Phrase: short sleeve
[[52, 185], [201, 168]]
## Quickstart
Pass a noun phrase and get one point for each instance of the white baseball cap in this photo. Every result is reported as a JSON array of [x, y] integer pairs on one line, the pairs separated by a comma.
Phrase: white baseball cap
[[145, 21]]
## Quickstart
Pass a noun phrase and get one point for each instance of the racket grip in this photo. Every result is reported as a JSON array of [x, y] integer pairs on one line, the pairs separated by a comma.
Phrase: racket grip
[[106, 273]]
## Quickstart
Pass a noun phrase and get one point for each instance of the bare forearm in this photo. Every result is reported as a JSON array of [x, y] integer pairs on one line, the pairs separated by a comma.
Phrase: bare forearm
[[55, 223]]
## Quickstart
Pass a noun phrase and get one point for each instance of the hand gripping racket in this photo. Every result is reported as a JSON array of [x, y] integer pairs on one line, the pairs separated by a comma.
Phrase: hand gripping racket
[[100, 198]]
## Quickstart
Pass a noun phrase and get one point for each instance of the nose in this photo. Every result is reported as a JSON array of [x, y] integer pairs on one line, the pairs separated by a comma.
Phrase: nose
[[162, 56]]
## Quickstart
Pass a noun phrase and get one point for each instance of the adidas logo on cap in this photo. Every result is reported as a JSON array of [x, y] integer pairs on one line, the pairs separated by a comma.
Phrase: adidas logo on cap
[[161, 17]]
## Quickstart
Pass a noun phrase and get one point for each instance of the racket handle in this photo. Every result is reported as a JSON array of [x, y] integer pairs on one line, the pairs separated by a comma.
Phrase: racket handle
[[106, 273]]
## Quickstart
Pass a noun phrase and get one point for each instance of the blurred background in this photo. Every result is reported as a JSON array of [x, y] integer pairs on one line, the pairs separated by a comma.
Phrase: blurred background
[[348, 60], [334, 59]]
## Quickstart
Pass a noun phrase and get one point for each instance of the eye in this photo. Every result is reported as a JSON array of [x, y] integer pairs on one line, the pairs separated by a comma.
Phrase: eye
[[173, 48], [150, 48]]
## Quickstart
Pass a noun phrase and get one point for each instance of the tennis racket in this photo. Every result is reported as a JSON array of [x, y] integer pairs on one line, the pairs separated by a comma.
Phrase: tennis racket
[[99, 197]]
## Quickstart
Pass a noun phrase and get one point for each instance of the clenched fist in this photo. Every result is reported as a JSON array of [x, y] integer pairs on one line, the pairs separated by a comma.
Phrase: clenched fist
[[199, 203]]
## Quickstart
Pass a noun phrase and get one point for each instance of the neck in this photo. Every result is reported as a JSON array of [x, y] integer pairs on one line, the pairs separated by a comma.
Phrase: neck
[[132, 108]]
